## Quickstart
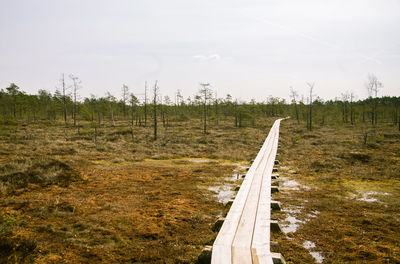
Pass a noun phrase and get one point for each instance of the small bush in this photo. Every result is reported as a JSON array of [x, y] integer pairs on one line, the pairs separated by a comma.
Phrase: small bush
[[8, 122], [360, 156], [19, 173], [295, 139], [7, 222]]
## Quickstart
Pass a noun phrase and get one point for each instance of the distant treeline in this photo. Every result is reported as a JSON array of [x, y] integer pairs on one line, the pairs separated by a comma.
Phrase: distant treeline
[[16, 105]]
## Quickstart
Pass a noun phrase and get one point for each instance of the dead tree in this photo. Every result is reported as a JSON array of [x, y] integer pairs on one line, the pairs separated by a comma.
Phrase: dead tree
[[125, 94], [373, 86], [345, 99], [76, 82], [351, 108], [64, 99], [294, 95], [145, 103], [311, 86], [155, 91], [111, 101], [133, 101], [205, 93], [216, 107]]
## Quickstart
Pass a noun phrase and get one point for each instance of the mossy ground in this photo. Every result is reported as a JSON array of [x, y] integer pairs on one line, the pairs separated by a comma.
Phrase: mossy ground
[[348, 197], [127, 200], [135, 200]]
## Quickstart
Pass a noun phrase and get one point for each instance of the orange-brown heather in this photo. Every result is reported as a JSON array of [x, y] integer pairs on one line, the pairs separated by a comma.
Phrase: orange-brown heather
[[69, 196]]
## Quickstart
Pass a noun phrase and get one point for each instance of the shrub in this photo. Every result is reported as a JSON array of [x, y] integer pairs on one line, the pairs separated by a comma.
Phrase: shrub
[[7, 222], [19, 173]]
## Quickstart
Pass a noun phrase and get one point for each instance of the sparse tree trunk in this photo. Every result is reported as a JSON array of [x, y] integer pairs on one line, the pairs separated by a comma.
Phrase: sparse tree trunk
[[363, 112], [95, 134], [125, 92], [236, 114], [206, 93], [111, 100], [310, 107], [145, 104], [205, 113], [76, 82], [64, 99], [155, 110], [351, 109], [216, 109]]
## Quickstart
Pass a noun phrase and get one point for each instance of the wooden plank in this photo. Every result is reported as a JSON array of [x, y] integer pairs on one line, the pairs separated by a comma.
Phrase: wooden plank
[[222, 245], [261, 238], [241, 246], [244, 236]]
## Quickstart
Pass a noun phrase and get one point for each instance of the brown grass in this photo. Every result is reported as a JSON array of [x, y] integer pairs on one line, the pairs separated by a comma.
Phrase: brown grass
[[77, 199], [115, 199], [341, 170]]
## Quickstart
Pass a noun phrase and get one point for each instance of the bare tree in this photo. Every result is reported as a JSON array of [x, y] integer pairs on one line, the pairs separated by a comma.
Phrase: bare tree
[[167, 103], [155, 91], [373, 86], [311, 86], [205, 93], [145, 103], [351, 108], [111, 101], [76, 86], [64, 98], [125, 94], [294, 95], [216, 107], [345, 99], [133, 101]]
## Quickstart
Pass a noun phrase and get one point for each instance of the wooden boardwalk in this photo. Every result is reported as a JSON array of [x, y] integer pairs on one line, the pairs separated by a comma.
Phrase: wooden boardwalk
[[244, 237]]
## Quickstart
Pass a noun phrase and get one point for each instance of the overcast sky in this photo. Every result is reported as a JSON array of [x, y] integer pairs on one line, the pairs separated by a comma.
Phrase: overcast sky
[[249, 48]]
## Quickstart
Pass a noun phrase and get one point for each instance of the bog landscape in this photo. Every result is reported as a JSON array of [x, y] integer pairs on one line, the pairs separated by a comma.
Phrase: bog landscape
[[206, 132], [107, 180]]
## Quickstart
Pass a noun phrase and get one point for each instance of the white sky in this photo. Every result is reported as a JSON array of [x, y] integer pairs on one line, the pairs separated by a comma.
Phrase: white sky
[[248, 48]]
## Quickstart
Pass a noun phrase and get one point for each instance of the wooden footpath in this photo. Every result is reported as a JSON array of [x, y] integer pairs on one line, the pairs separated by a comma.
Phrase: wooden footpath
[[244, 237]]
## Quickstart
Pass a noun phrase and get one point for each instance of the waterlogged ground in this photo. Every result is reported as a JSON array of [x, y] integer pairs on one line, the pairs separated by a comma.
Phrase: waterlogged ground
[[340, 198], [68, 197], [153, 211]]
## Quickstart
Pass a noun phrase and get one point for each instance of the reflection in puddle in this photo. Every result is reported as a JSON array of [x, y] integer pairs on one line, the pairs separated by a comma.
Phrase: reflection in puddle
[[308, 244], [316, 255], [226, 192], [223, 193], [202, 161], [366, 197], [292, 211], [291, 185], [294, 186], [291, 225]]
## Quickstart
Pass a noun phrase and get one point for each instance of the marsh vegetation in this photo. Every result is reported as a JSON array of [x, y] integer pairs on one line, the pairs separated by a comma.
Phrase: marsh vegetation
[[89, 182]]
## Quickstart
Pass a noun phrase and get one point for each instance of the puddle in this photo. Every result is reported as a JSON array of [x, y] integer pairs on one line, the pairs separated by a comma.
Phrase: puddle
[[308, 244], [203, 161], [222, 193], [313, 214], [317, 256], [290, 224], [366, 197], [293, 185], [225, 191], [291, 211]]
